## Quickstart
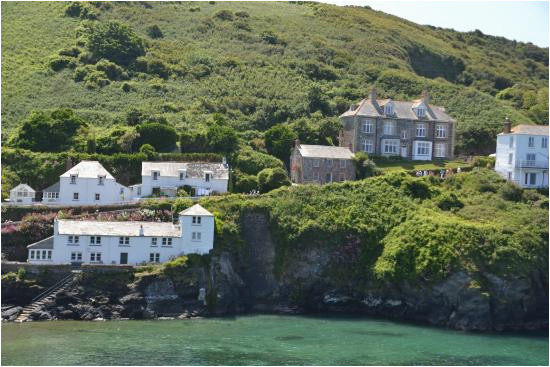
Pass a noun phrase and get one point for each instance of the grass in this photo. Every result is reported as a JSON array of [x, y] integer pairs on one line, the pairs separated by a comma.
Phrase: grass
[[420, 165]]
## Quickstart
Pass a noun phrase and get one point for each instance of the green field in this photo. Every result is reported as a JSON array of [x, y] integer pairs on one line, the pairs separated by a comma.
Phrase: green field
[[419, 165]]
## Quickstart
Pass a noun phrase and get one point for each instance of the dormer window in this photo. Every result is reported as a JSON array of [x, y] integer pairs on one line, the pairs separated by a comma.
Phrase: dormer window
[[156, 175], [100, 180], [73, 179], [207, 176], [182, 174], [420, 112], [388, 109]]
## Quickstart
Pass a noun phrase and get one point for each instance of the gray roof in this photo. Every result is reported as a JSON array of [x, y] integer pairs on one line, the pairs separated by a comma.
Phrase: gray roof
[[324, 151], [23, 187], [529, 130], [130, 229], [52, 188], [401, 109], [45, 244], [88, 169], [194, 169], [196, 210]]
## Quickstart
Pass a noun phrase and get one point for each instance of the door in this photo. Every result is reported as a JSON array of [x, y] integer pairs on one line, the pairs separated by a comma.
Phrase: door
[[404, 151], [123, 258]]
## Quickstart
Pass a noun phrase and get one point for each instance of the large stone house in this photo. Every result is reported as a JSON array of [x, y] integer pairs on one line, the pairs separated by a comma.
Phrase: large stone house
[[522, 155], [320, 164], [133, 243], [411, 129]]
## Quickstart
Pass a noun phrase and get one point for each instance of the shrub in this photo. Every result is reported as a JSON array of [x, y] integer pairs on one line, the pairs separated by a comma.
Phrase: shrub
[[126, 87], [114, 41], [175, 267], [160, 136], [222, 138], [416, 188], [21, 273], [154, 31], [96, 79], [242, 14], [272, 178], [224, 15], [181, 204], [158, 67], [510, 192], [70, 52], [245, 183], [111, 70], [59, 63], [77, 9], [149, 151], [271, 38], [279, 140], [251, 162], [194, 9], [483, 162], [447, 201], [193, 141]]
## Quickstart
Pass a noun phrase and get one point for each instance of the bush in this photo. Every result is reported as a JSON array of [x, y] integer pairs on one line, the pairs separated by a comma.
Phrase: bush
[[162, 137], [279, 141], [59, 63], [242, 14], [76, 9], [126, 87], [510, 192], [154, 31], [244, 183], [271, 38], [149, 151], [70, 52], [416, 188], [111, 70], [483, 162], [251, 162], [96, 79], [222, 139], [224, 15], [447, 201], [181, 204], [175, 267], [272, 178], [158, 67], [193, 141], [114, 41]]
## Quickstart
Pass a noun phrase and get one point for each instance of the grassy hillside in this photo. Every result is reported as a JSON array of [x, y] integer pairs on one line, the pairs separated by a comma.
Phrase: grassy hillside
[[262, 64]]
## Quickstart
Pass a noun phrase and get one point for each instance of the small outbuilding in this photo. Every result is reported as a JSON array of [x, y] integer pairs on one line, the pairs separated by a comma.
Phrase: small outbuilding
[[22, 193]]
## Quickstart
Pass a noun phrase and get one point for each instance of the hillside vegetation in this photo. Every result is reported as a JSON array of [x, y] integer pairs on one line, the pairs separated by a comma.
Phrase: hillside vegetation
[[248, 67]]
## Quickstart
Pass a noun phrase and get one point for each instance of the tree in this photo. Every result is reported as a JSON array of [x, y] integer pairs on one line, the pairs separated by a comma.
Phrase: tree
[[148, 150], [222, 138], [279, 140], [272, 178], [193, 141], [244, 183], [49, 132], [114, 41], [364, 167], [161, 137], [126, 141], [154, 31]]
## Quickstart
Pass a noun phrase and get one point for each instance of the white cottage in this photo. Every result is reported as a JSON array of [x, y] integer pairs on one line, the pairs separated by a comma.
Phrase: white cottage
[[87, 183], [22, 193], [522, 155], [164, 178], [133, 243]]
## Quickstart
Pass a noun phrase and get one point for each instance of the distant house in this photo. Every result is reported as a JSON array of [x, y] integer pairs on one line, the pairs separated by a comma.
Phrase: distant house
[[522, 154], [414, 130], [22, 193], [164, 178], [87, 183], [133, 243], [320, 164]]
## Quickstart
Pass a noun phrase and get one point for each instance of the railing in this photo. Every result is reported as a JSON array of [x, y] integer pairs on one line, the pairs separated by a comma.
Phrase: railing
[[53, 288], [533, 164]]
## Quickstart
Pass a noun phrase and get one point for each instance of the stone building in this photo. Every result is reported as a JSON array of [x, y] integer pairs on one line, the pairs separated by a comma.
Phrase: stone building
[[321, 164], [411, 129]]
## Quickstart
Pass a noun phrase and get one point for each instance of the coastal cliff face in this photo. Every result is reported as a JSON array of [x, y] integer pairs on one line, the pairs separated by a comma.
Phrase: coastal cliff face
[[251, 282]]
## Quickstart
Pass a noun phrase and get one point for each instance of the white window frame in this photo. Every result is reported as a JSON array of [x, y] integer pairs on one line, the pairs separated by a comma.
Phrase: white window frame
[[123, 240], [528, 177], [316, 162], [73, 179], [156, 175], [440, 150], [511, 141], [531, 157], [544, 142], [154, 242], [196, 236], [531, 142], [97, 197], [315, 176], [196, 220], [421, 112], [367, 145], [343, 163], [425, 146], [368, 127], [101, 180], [440, 131], [390, 146], [31, 255], [510, 158], [76, 196], [389, 127], [76, 256], [328, 162], [154, 257], [420, 130], [404, 134], [388, 109]]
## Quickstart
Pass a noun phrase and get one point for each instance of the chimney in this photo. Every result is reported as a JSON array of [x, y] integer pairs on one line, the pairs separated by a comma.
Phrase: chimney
[[297, 143], [372, 95], [425, 97], [55, 226], [507, 126], [141, 230], [350, 146]]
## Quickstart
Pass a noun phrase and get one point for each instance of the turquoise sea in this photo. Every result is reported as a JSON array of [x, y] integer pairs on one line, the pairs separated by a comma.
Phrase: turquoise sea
[[262, 340]]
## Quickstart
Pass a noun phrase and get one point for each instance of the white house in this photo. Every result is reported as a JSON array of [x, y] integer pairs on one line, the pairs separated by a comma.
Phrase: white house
[[164, 178], [22, 193], [522, 155], [133, 243], [87, 183]]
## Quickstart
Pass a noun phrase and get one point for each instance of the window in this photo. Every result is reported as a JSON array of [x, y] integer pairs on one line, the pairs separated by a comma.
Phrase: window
[[421, 130], [367, 145], [390, 146], [403, 134], [49, 254], [531, 157], [121, 190], [100, 180], [316, 163], [509, 175], [420, 112], [511, 142], [139, 190], [95, 257], [155, 175], [196, 220], [440, 149], [316, 176], [342, 176], [73, 179], [207, 177], [154, 257], [166, 241], [440, 131], [531, 143], [153, 241], [37, 255], [124, 240], [73, 239], [531, 178], [76, 256], [329, 162], [32, 254], [97, 196], [44, 252], [368, 127], [342, 163], [510, 158], [196, 236], [328, 177], [75, 195], [182, 176], [422, 148], [95, 240], [389, 127], [388, 109], [544, 142]]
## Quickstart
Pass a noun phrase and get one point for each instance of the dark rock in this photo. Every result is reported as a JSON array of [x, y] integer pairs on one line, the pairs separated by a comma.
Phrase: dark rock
[[11, 313], [66, 315]]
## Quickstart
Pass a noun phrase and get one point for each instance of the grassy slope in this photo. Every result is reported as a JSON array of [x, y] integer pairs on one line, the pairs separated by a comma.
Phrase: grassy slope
[[370, 42]]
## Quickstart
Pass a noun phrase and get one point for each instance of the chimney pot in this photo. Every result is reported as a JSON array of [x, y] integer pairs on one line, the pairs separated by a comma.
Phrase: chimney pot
[[507, 126], [372, 94], [141, 230]]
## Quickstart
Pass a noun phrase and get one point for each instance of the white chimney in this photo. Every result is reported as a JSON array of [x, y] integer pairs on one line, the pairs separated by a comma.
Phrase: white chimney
[[141, 230]]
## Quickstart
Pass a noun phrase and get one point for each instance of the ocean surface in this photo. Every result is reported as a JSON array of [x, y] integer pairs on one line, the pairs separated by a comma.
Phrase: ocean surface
[[262, 340]]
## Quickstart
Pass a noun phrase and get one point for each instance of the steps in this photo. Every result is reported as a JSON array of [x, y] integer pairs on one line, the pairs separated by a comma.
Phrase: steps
[[48, 295]]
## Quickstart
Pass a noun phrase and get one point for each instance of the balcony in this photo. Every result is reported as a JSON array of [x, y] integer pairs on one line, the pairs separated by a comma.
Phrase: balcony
[[533, 164]]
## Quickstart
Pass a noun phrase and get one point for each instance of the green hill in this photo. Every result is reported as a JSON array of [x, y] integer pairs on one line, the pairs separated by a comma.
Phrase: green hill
[[258, 65]]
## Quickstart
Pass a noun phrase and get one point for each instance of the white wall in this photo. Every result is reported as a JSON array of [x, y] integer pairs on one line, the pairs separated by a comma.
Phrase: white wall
[[87, 188], [206, 228], [148, 183]]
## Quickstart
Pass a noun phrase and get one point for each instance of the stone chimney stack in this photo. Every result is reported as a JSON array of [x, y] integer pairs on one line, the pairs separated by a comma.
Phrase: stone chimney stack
[[507, 126], [297, 143], [141, 230], [425, 97], [372, 95]]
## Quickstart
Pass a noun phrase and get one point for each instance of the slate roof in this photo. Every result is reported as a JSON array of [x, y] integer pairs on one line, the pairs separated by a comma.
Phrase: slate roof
[[45, 244], [129, 228], [196, 210], [52, 188], [401, 109], [219, 171], [530, 130], [23, 186], [88, 169], [324, 151]]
